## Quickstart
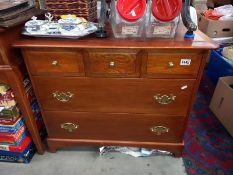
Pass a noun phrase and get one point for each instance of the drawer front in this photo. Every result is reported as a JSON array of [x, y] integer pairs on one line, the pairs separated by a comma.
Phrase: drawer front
[[124, 127], [182, 65], [58, 62], [112, 63], [115, 95]]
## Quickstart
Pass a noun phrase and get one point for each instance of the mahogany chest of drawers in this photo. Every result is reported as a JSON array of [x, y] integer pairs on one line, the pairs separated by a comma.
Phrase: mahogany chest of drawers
[[116, 92]]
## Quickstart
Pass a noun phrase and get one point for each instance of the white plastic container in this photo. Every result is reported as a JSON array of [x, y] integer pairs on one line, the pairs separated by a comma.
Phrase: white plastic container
[[159, 29], [125, 29]]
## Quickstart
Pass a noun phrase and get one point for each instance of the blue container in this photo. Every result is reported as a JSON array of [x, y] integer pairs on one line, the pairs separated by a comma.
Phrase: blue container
[[219, 66]]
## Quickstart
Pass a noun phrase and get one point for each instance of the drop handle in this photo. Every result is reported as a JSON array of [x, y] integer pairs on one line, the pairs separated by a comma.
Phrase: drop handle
[[63, 96], [159, 130], [70, 127], [55, 63], [164, 99]]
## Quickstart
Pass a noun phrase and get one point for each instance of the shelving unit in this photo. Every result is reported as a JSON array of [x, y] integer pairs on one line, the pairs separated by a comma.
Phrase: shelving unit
[[12, 73]]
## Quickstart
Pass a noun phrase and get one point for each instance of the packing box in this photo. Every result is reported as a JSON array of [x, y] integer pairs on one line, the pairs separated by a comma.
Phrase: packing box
[[215, 28], [221, 102], [199, 5]]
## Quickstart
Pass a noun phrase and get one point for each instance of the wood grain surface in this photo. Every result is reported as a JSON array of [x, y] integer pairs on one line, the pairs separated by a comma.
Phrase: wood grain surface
[[112, 63], [55, 62], [121, 127], [114, 95], [201, 41], [115, 100]]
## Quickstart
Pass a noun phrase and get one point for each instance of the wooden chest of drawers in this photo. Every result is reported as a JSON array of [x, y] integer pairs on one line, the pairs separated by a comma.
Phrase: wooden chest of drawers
[[116, 92]]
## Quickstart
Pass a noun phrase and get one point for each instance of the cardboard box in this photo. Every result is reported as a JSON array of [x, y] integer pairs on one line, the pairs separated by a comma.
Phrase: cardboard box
[[199, 5], [215, 28], [221, 102]]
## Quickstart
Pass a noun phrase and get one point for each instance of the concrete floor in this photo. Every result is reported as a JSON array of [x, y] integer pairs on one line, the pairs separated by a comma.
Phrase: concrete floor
[[87, 161]]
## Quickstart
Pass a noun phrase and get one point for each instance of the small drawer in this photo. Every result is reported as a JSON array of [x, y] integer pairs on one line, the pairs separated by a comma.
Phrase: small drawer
[[112, 63], [115, 95], [123, 127], [172, 65], [54, 62]]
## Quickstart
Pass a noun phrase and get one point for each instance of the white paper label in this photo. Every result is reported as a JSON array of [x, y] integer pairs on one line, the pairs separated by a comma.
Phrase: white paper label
[[162, 30], [130, 30], [4, 148], [185, 62]]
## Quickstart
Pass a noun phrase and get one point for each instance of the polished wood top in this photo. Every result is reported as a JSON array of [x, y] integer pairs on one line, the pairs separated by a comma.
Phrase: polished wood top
[[201, 41]]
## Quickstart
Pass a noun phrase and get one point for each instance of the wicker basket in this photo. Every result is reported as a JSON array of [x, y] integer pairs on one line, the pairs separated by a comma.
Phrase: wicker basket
[[81, 8]]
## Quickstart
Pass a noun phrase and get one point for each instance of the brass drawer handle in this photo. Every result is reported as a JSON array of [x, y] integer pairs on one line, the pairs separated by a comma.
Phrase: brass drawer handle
[[159, 130], [63, 96], [55, 63], [111, 64], [70, 127], [164, 99], [171, 64]]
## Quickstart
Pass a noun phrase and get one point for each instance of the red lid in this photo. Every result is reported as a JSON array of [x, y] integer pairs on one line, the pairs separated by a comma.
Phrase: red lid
[[131, 10], [166, 10]]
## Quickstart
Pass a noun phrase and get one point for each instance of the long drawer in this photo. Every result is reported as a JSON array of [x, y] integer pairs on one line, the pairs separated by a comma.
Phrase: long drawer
[[168, 97], [124, 127]]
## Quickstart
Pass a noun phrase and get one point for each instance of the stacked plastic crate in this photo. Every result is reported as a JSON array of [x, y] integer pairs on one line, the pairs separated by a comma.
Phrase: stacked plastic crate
[[16, 144]]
